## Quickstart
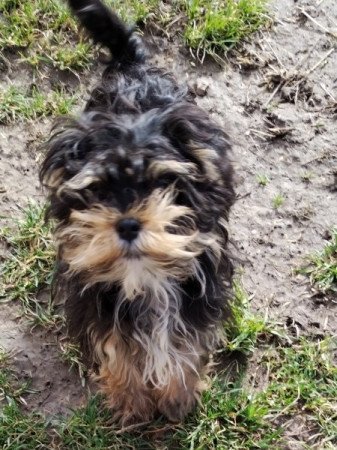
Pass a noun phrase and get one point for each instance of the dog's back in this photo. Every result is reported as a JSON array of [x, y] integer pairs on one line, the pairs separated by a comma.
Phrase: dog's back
[[130, 84]]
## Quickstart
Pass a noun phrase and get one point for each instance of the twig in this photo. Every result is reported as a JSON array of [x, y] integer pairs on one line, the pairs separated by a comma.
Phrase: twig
[[328, 93], [321, 61], [131, 427], [322, 27], [278, 87]]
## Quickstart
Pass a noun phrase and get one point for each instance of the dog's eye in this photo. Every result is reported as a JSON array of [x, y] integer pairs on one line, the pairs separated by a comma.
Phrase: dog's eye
[[166, 180], [99, 191]]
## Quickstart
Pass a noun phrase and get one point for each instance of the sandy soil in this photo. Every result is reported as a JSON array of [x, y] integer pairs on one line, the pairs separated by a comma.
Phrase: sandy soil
[[277, 101]]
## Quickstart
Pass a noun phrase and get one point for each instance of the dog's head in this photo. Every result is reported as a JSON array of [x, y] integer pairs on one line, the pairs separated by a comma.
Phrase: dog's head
[[138, 197]]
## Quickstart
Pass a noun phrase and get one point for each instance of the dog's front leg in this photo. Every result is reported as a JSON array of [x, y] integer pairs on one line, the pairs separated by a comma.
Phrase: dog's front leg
[[120, 379], [179, 397]]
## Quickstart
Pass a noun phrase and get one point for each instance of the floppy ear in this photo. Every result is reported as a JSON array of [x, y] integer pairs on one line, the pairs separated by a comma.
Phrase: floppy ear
[[201, 141], [63, 158]]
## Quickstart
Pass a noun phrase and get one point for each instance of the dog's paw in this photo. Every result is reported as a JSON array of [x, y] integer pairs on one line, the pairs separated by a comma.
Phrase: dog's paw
[[176, 407]]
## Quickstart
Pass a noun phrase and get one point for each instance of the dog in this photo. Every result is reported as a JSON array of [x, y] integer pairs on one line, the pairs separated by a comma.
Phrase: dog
[[140, 186]]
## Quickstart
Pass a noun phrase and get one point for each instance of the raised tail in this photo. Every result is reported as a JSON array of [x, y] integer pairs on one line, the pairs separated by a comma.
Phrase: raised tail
[[107, 29]]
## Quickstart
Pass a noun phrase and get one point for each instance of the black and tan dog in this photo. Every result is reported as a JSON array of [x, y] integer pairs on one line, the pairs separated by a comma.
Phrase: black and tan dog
[[140, 186]]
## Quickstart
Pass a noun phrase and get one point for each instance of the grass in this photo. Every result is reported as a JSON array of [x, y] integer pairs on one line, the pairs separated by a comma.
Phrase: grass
[[246, 330], [262, 180], [11, 389], [301, 382], [17, 104], [299, 378], [322, 267], [278, 201], [28, 269], [44, 31], [216, 26]]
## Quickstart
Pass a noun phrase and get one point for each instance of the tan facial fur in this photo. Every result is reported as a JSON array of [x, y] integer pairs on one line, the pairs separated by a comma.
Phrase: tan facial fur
[[89, 243]]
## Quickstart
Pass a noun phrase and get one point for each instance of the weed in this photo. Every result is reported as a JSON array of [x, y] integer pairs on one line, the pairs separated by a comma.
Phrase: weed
[[17, 105], [29, 267], [278, 201], [263, 180], [322, 268]]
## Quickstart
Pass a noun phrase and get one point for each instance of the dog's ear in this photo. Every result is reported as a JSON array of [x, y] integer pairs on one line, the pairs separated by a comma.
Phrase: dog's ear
[[66, 150], [202, 142], [198, 138]]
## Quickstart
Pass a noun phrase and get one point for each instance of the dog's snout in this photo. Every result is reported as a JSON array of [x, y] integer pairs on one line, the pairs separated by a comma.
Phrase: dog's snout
[[128, 228]]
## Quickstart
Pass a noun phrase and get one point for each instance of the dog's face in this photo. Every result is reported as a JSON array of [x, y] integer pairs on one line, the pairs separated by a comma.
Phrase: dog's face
[[138, 198]]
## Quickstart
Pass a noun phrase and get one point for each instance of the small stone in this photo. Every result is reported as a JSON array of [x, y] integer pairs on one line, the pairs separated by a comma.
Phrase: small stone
[[201, 87]]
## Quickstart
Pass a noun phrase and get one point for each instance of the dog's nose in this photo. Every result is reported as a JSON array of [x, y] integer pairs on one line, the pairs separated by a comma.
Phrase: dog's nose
[[128, 228]]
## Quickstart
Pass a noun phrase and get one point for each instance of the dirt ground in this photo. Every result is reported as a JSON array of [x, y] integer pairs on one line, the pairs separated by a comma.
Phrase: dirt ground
[[277, 99]]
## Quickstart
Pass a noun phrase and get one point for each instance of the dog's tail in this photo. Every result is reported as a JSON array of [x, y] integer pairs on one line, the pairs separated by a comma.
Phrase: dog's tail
[[107, 29]]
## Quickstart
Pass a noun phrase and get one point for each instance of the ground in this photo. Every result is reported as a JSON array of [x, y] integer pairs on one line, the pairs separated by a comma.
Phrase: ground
[[276, 96]]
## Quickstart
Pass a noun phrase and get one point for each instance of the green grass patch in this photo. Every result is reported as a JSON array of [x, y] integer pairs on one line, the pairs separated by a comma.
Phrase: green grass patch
[[246, 330], [278, 201], [44, 31], [235, 413], [28, 268], [20, 431], [322, 267], [302, 382], [11, 389], [262, 180], [18, 105], [215, 26]]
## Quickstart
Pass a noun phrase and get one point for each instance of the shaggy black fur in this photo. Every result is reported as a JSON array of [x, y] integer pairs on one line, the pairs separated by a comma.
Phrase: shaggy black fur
[[137, 115]]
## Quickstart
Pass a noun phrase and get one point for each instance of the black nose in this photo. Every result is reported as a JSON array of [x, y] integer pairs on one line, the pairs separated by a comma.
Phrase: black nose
[[128, 229]]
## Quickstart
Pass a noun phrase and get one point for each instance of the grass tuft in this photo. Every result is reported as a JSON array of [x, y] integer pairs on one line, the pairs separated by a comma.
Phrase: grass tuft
[[278, 201], [17, 105], [322, 268], [29, 266], [262, 180], [10, 389], [43, 31], [246, 330], [215, 26]]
